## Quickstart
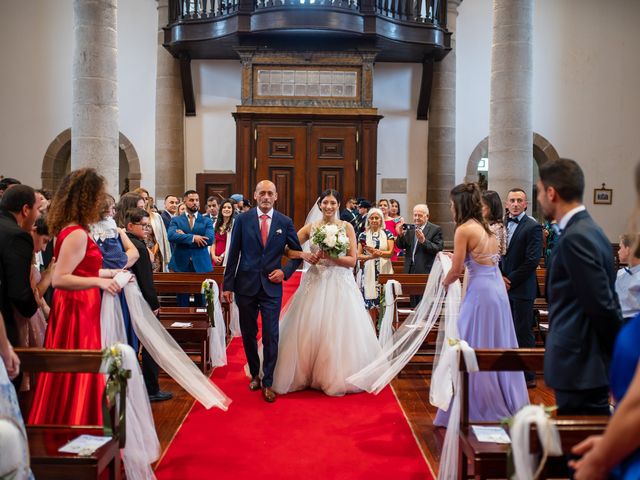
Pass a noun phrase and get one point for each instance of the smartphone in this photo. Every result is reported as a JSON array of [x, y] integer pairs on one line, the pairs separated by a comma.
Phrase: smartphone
[[408, 226]]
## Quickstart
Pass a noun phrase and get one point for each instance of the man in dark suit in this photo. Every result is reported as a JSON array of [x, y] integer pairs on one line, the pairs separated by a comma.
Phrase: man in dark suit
[[361, 220], [350, 213], [19, 209], [138, 226], [192, 233], [258, 241], [170, 209], [584, 313], [212, 209], [421, 243], [519, 264]]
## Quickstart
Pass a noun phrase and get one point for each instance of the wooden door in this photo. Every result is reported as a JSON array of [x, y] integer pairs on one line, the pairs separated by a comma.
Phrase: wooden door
[[281, 156], [333, 161], [303, 160]]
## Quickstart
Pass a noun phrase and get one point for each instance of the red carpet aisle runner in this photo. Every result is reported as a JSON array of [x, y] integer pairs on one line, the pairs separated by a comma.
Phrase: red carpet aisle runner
[[303, 435]]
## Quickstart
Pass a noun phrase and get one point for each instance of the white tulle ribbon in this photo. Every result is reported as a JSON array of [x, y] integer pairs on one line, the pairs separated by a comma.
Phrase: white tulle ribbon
[[234, 320], [14, 451], [408, 338], [163, 348], [523, 460], [445, 383], [218, 333], [391, 291], [142, 447]]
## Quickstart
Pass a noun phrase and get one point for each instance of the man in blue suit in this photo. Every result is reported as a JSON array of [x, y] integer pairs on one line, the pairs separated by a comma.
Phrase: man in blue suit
[[584, 313], [191, 233], [519, 264], [258, 242]]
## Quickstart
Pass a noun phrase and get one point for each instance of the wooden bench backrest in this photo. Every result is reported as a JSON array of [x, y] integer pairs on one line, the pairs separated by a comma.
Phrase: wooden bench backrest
[[38, 360], [61, 361], [498, 360], [179, 282], [404, 278]]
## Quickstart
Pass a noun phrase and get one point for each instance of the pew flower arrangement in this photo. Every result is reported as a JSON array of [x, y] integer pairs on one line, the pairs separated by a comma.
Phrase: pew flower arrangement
[[331, 238], [209, 289], [117, 378]]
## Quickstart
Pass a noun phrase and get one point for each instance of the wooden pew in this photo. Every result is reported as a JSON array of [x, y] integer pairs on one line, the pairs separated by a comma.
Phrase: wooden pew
[[193, 339], [169, 283], [44, 441], [489, 460]]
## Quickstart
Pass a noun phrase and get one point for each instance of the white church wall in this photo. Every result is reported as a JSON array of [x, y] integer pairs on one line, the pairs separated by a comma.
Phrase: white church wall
[[210, 135], [36, 88], [402, 140], [585, 98]]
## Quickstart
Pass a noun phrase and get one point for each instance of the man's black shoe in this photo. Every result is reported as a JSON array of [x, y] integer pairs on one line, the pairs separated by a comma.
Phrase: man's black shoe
[[160, 396]]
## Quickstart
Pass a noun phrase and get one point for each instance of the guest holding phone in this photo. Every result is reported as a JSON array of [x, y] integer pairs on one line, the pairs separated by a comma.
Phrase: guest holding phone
[[421, 242]]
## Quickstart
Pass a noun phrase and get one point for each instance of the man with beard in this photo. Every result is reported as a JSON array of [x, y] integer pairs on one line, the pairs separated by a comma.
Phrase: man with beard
[[584, 313], [191, 233]]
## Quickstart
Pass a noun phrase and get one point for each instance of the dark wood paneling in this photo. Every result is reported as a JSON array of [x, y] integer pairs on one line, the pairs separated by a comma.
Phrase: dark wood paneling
[[305, 154], [281, 152], [220, 185], [283, 178]]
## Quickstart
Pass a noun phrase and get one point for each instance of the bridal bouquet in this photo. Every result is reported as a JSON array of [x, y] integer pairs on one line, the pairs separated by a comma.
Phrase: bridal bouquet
[[331, 238]]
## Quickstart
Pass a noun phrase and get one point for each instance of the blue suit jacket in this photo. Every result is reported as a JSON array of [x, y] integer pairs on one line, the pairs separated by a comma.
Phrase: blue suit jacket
[[584, 314], [249, 263], [520, 262], [185, 249]]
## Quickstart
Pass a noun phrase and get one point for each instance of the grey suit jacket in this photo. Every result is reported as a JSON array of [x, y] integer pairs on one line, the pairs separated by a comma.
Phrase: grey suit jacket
[[584, 313], [425, 253]]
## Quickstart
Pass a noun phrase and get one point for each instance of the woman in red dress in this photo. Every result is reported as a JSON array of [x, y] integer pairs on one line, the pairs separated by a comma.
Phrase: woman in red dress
[[74, 320], [223, 227]]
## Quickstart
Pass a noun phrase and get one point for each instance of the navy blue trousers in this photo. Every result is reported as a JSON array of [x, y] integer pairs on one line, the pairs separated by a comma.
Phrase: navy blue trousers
[[269, 308]]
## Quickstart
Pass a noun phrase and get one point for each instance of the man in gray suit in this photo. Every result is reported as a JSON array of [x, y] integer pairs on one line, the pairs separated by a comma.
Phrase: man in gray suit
[[421, 243], [584, 313]]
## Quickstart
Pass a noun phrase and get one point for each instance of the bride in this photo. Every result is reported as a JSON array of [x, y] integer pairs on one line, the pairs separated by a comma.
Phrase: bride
[[325, 330]]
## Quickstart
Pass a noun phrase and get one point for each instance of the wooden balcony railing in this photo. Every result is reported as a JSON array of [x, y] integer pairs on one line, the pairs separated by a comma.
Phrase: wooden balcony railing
[[432, 12]]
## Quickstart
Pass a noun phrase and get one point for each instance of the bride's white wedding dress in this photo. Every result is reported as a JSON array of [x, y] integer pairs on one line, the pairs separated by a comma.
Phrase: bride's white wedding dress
[[325, 333]]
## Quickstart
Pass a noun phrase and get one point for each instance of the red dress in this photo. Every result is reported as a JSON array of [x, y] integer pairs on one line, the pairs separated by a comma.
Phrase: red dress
[[391, 226], [74, 323]]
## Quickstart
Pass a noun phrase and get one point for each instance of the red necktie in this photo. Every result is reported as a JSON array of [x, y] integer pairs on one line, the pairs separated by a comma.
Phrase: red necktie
[[264, 228]]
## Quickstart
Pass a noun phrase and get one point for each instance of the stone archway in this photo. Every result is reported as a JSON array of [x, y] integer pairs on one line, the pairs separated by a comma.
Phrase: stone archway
[[543, 152], [56, 163]]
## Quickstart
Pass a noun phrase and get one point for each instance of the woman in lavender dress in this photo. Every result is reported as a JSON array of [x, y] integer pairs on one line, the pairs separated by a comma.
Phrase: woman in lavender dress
[[485, 316]]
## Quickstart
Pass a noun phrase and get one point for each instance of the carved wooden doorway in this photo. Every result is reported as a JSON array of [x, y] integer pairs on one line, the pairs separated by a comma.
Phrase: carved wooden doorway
[[305, 156]]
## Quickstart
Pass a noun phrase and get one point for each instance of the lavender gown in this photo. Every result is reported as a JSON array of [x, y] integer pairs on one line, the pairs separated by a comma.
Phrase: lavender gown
[[485, 322]]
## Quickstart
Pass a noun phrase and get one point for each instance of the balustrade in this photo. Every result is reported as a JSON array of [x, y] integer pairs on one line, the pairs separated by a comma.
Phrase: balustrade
[[414, 11]]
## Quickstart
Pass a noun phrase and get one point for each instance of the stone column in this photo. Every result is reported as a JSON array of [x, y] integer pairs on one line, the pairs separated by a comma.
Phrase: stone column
[[169, 117], [94, 121], [441, 150], [510, 118]]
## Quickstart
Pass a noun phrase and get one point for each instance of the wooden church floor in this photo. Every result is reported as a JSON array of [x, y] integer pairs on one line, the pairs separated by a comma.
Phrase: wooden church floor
[[411, 389]]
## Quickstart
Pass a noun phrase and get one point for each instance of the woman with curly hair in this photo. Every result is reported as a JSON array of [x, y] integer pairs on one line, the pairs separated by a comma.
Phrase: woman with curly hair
[[74, 320]]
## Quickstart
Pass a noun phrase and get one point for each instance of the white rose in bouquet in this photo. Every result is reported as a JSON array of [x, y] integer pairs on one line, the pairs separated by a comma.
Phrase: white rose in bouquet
[[331, 238]]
